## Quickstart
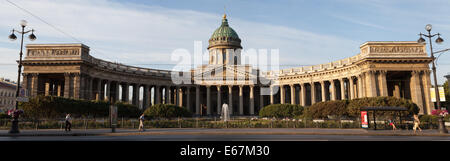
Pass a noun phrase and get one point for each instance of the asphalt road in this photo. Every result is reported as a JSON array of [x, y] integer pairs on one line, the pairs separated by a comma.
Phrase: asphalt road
[[228, 138]]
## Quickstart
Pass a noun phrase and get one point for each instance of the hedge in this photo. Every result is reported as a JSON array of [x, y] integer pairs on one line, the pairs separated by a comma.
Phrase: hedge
[[351, 108], [330, 108], [127, 110], [281, 111], [355, 104], [166, 111], [56, 107]]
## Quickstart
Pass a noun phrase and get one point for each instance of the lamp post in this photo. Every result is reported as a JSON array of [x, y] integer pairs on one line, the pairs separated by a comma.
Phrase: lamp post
[[32, 37], [439, 40]]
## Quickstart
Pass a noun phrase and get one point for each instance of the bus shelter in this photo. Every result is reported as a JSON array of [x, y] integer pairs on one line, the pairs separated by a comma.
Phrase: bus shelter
[[397, 111]]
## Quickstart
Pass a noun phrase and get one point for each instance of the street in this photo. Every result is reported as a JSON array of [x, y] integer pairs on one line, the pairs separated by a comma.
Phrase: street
[[202, 134]]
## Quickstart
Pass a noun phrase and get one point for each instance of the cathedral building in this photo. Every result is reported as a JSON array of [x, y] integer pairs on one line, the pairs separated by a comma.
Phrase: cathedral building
[[388, 68]]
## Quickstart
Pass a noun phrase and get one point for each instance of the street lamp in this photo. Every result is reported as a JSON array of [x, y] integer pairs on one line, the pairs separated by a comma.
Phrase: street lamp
[[32, 37], [439, 40]]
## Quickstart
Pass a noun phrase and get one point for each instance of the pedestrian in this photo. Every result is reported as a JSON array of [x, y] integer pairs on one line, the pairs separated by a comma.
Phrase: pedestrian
[[416, 124], [391, 123], [68, 122], [141, 123]]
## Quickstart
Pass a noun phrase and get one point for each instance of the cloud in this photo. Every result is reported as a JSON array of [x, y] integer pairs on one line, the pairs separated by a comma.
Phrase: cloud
[[359, 22], [146, 35]]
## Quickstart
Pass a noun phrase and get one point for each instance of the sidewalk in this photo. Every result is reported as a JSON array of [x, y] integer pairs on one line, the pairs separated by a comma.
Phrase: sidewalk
[[226, 131]]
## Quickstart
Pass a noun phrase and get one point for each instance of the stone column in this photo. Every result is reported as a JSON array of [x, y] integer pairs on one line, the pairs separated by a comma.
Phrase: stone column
[[108, 91], [313, 93], [416, 90], [322, 85], [352, 88], [136, 94], [197, 100], [370, 84], [282, 94], [157, 94], [76, 85], [252, 101], [126, 92], [241, 100], [303, 94], [383, 83], [47, 89], [292, 93], [219, 99], [82, 89], [397, 90], [271, 94], [341, 81], [333, 90], [34, 84], [180, 96], [99, 90], [175, 95], [59, 88], [117, 91], [25, 82], [66, 85], [261, 98], [146, 99], [230, 98], [360, 87], [188, 98], [426, 82], [90, 90], [167, 95], [208, 100]]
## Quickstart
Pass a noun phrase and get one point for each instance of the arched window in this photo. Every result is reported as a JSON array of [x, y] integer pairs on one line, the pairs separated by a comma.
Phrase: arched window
[[235, 60]]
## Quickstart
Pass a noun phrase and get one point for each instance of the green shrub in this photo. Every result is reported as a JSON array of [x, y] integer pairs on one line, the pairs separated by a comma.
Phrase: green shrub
[[355, 104], [166, 111], [330, 108], [4, 116], [57, 107], [281, 111], [127, 110], [429, 119]]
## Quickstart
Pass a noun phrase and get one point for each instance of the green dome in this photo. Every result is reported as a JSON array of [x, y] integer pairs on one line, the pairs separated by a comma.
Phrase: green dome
[[224, 31], [225, 36]]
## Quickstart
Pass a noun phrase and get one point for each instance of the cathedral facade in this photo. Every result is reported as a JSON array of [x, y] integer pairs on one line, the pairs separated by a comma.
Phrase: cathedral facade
[[388, 68]]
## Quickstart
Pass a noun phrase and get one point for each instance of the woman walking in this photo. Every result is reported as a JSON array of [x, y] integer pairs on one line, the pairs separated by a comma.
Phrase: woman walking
[[141, 123], [416, 124], [391, 123], [68, 122]]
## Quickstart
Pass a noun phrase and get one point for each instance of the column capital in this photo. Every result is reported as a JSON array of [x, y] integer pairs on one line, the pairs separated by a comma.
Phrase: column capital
[[416, 72], [382, 71]]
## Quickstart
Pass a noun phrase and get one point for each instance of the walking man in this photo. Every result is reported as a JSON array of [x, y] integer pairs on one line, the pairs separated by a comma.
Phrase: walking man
[[141, 123], [68, 122]]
